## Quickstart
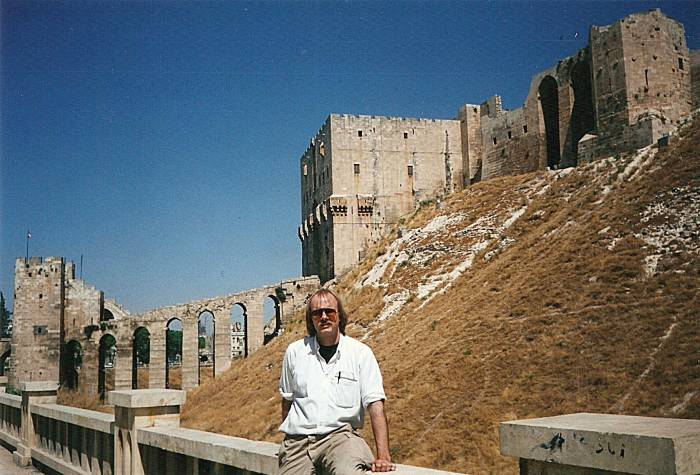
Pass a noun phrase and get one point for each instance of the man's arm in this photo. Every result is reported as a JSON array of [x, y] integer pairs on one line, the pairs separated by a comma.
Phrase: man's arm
[[380, 428], [286, 405]]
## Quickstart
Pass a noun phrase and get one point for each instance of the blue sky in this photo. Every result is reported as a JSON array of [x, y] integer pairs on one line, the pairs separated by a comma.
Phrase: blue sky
[[161, 140]]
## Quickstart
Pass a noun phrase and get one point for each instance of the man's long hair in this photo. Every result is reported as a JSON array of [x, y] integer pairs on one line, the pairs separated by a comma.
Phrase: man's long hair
[[342, 317]]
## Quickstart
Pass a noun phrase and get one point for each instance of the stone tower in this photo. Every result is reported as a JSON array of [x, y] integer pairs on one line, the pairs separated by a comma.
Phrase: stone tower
[[360, 174], [641, 80], [38, 319]]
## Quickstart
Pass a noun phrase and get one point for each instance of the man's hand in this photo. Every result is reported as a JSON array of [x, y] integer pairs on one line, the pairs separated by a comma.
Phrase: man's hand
[[381, 465], [381, 437]]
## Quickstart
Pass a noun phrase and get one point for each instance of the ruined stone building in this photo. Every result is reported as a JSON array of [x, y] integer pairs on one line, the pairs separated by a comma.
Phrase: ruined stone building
[[627, 88], [65, 330]]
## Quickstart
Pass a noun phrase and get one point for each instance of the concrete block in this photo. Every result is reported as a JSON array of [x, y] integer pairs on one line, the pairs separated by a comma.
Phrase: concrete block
[[137, 398], [627, 444], [38, 386]]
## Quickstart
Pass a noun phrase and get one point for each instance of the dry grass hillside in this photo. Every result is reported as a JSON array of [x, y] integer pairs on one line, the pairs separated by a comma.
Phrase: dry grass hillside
[[527, 296]]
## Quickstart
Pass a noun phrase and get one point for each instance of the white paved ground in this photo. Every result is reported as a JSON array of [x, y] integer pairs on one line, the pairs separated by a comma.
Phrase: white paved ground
[[7, 466]]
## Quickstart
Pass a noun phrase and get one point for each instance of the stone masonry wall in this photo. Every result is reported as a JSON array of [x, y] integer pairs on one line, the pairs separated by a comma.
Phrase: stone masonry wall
[[657, 67], [695, 78], [361, 173], [469, 116], [316, 187], [38, 315], [641, 68], [83, 305]]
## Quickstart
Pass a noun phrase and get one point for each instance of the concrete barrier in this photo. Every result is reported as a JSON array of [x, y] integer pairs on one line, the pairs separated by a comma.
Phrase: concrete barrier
[[583, 444]]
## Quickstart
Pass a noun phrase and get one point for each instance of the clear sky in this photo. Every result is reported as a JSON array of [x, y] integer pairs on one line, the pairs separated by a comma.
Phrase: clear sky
[[161, 140]]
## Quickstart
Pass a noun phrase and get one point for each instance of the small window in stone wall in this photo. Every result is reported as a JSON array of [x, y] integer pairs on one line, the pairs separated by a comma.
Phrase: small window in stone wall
[[359, 133], [495, 141], [405, 135], [510, 135], [410, 170], [680, 63], [356, 168], [524, 129], [40, 330]]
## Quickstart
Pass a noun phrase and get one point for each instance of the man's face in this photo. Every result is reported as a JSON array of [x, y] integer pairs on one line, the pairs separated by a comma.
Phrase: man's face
[[324, 315]]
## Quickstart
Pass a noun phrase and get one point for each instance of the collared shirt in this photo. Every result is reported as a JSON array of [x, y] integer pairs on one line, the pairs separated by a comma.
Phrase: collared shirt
[[326, 396]]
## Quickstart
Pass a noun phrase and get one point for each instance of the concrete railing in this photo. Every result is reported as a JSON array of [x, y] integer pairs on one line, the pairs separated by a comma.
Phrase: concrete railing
[[587, 444], [65, 439], [10, 418], [143, 437], [72, 440]]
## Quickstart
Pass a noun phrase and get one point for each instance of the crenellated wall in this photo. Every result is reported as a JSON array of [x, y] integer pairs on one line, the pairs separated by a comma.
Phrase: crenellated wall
[[626, 89]]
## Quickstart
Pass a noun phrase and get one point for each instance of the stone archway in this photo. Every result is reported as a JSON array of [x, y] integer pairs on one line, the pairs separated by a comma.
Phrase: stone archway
[[239, 331], [173, 354], [106, 315], [206, 345], [107, 362], [272, 318], [72, 361], [141, 359], [3, 361], [583, 112], [549, 102]]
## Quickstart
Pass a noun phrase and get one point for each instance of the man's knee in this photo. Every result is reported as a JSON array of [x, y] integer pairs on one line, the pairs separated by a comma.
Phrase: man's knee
[[349, 456]]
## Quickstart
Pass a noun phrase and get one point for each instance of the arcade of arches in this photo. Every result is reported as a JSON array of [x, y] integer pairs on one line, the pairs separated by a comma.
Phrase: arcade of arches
[[179, 346]]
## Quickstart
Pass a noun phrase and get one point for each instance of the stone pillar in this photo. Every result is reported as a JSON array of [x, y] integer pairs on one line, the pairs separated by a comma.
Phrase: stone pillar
[[135, 409], [156, 368], [190, 353], [33, 392], [254, 326], [222, 341], [123, 364]]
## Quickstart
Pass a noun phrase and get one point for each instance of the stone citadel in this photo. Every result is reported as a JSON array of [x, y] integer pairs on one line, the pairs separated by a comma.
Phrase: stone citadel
[[630, 86]]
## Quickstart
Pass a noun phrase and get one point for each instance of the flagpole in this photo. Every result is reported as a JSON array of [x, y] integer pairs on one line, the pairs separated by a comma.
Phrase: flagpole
[[29, 234]]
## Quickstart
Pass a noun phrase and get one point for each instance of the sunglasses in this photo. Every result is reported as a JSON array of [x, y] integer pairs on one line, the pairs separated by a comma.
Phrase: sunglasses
[[331, 313]]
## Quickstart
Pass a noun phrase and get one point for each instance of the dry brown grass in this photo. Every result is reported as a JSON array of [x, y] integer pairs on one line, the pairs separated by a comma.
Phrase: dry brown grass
[[557, 322], [142, 378], [174, 376], [83, 399]]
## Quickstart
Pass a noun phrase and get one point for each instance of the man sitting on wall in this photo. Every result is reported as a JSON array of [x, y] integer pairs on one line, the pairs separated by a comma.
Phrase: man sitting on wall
[[327, 381]]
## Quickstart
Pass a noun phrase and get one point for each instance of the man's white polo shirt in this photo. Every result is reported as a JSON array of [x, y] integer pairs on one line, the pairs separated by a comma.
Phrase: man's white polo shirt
[[326, 396]]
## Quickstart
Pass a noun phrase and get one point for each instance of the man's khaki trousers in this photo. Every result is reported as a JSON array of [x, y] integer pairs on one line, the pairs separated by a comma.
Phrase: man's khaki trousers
[[341, 452]]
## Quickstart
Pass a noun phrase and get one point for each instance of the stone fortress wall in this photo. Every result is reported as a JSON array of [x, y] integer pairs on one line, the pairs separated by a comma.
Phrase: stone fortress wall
[[627, 88], [360, 174], [55, 313]]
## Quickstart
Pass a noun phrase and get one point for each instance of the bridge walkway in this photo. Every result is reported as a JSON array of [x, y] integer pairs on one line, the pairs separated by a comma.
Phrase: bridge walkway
[[8, 467]]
